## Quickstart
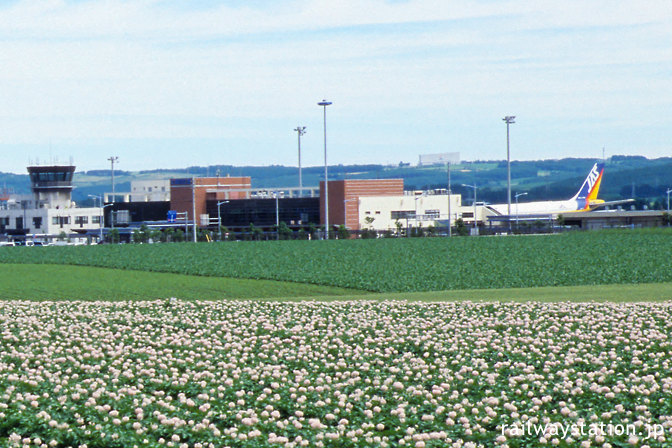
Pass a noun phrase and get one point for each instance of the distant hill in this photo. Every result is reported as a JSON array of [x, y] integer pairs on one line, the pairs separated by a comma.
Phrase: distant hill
[[648, 179]]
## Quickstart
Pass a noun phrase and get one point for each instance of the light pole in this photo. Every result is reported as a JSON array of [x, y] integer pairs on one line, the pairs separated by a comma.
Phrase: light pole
[[517, 196], [113, 160], [475, 188], [193, 206], [102, 218], [450, 225], [417, 219], [300, 130], [669, 190], [219, 218], [277, 217], [100, 199], [324, 104], [509, 119]]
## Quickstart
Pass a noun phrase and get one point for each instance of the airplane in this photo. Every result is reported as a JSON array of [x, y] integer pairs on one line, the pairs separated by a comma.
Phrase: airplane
[[584, 200]]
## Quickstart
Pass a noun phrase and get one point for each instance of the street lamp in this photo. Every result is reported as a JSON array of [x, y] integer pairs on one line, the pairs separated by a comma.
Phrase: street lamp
[[324, 104], [219, 218], [102, 218], [94, 196], [417, 220], [100, 224], [475, 188], [517, 196], [300, 130], [277, 217], [669, 190], [510, 119]]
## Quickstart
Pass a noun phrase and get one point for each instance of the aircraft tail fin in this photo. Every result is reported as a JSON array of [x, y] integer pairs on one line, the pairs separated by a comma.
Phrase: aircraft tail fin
[[591, 186]]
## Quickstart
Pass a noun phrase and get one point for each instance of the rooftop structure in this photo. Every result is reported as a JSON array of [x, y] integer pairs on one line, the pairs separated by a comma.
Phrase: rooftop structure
[[439, 159]]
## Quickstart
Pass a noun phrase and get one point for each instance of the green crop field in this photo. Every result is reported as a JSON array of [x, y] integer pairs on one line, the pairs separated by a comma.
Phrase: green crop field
[[84, 283], [54, 282], [396, 265]]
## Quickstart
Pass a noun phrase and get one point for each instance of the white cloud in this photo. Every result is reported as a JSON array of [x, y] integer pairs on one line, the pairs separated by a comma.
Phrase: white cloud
[[148, 69]]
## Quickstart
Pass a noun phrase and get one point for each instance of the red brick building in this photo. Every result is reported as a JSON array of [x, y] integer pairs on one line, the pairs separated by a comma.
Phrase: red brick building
[[344, 195], [182, 192]]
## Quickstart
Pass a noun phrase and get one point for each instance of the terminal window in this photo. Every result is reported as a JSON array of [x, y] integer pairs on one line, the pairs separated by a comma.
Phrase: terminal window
[[60, 220], [402, 214]]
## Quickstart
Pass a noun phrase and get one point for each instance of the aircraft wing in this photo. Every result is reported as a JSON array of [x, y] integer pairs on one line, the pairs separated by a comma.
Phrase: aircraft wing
[[602, 204]]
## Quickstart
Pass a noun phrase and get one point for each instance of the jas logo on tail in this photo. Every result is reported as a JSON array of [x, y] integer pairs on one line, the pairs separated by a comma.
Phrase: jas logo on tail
[[592, 177]]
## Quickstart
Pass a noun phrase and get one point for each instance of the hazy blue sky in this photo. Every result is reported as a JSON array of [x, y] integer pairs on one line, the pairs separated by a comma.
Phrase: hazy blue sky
[[175, 83]]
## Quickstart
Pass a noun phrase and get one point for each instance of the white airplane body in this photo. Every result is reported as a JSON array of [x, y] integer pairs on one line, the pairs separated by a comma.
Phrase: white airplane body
[[584, 200], [536, 208]]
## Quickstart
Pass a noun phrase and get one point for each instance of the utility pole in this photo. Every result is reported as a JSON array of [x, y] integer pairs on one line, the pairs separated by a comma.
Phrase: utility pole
[[300, 130]]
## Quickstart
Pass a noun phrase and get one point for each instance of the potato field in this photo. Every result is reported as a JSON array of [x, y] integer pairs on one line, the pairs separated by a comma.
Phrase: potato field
[[343, 374]]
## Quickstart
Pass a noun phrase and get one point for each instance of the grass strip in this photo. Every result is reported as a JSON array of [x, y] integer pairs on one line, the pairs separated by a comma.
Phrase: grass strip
[[62, 282]]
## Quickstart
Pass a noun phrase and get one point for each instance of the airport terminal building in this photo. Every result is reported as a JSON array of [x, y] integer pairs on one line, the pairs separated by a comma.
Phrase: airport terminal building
[[360, 205]]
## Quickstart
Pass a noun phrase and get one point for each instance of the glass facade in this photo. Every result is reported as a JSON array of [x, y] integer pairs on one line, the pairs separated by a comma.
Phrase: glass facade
[[239, 214]]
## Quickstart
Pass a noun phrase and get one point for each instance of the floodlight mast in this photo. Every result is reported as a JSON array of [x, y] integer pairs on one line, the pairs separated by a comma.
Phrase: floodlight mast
[[450, 225], [300, 130], [324, 104], [113, 160], [509, 119]]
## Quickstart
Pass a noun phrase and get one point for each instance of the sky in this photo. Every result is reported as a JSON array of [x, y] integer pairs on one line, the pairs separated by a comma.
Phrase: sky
[[171, 84]]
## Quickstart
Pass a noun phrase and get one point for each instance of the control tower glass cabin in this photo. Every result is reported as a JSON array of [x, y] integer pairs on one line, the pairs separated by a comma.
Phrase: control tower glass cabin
[[52, 185]]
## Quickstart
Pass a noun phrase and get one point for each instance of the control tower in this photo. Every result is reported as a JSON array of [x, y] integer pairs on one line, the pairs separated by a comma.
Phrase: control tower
[[52, 185]]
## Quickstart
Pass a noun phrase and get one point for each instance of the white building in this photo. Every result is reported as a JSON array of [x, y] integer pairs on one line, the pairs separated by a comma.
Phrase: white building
[[413, 210], [154, 190], [48, 214], [439, 159]]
